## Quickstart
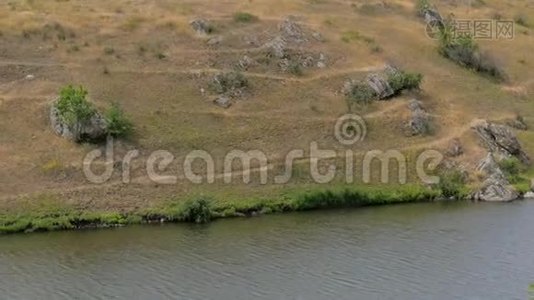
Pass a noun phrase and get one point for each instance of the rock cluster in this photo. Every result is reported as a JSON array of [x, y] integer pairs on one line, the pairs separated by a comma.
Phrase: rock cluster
[[419, 122]]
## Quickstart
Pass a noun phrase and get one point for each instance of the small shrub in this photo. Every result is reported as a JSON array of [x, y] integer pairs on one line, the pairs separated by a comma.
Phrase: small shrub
[[244, 17], [160, 55], [361, 93], [73, 106], [404, 80], [197, 211], [118, 124], [295, 68], [451, 184], [226, 82]]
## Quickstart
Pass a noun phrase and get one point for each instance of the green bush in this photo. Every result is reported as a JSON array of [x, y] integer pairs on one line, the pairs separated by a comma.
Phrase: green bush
[[404, 81], [295, 68], [118, 124], [512, 169], [244, 17], [226, 82], [361, 93], [451, 184], [73, 106], [198, 210]]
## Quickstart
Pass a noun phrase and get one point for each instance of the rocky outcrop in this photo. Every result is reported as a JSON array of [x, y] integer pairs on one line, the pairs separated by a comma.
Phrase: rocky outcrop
[[291, 31], [496, 187], [500, 139], [419, 122], [93, 129]]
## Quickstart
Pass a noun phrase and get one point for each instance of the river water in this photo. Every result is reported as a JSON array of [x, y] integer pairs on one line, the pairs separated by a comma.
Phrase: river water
[[414, 251]]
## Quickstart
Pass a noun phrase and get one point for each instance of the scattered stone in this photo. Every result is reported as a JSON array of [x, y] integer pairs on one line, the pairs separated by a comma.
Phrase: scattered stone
[[216, 40], [291, 31], [517, 123], [307, 62], [276, 47], [222, 101], [202, 91], [92, 129], [455, 148], [529, 195], [29, 77], [419, 122], [380, 85], [318, 36], [321, 63], [500, 139], [201, 26], [244, 63]]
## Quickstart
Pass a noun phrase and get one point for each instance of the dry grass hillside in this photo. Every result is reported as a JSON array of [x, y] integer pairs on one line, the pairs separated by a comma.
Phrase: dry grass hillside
[[145, 56]]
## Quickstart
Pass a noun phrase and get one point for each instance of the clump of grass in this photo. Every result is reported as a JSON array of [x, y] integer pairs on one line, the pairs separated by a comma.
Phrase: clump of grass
[[226, 82], [349, 36], [73, 106], [118, 125], [160, 55], [109, 50], [244, 17]]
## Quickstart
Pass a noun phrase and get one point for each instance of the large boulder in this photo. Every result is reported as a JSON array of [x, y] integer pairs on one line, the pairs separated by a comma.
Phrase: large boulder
[[500, 139], [380, 85], [496, 187], [92, 129]]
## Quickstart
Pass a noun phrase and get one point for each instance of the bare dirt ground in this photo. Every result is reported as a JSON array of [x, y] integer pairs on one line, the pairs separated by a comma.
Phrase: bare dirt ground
[[144, 55]]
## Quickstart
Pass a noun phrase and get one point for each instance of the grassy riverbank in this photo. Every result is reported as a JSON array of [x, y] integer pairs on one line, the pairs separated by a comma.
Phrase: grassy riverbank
[[53, 215]]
